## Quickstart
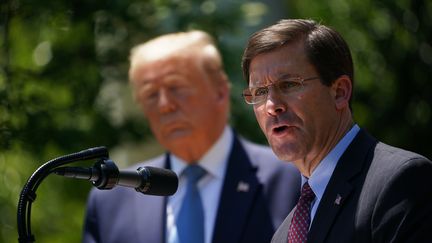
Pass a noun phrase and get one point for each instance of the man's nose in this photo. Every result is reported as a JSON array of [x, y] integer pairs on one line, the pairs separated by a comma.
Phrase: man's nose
[[275, 102], [166, 100]]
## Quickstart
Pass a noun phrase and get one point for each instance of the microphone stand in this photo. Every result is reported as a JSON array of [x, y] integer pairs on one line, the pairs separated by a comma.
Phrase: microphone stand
[[28, 193]]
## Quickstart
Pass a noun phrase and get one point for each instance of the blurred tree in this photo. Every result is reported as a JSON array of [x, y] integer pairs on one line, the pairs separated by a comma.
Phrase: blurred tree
[[63, 88]]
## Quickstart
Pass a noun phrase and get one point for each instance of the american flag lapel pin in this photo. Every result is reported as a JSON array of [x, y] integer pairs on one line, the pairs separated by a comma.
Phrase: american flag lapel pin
[[338, 199], [242, 186]]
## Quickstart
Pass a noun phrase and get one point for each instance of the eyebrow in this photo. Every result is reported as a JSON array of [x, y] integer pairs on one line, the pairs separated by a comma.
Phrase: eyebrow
[[286, 76], [278, 78]]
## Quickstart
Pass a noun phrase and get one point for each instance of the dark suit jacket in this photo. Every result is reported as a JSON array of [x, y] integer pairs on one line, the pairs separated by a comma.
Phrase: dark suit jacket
[[123, 215], [386, 196]]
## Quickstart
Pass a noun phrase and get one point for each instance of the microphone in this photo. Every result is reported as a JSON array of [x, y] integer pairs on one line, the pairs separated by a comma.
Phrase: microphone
[[105, 175]]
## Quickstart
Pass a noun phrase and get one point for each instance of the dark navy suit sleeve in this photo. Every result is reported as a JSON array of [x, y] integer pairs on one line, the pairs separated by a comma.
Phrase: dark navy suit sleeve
[[91, 234], [403, 211]]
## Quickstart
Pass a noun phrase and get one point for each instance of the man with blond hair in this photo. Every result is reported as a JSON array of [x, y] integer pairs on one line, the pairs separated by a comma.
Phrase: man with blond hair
[[230, 190]]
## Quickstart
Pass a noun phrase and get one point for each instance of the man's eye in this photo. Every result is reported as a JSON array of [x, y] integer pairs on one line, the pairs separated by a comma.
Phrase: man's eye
[[148, 97], [285, 86], [179, 90], [260, 91], [152, 95]]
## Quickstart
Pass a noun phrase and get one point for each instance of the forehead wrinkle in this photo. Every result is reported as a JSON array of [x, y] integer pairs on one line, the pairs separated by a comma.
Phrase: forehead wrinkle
[[165, 67], [271, 75], [146, 77]]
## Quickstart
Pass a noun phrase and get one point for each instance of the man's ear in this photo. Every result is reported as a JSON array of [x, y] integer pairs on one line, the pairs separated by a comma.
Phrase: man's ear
[[342, 91]]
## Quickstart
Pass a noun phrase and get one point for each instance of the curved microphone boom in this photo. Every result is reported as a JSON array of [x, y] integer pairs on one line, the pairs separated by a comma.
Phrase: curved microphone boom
[[28, 193], [105, 175]]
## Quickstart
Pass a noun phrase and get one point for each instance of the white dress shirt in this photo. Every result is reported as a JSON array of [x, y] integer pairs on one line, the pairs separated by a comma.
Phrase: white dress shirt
[[214, 162]]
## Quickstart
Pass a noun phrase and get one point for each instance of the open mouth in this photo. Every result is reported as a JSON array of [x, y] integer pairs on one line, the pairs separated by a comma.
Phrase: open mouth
[[280, 129]]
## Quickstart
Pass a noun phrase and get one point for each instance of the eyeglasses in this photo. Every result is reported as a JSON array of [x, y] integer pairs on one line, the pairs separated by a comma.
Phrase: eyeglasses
[[256, 95]]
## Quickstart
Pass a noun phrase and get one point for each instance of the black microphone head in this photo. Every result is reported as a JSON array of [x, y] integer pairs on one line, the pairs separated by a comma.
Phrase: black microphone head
[[157, 181]]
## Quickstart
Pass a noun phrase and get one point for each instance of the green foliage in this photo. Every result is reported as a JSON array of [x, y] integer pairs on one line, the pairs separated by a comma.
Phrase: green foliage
[[63, 82], [64, 88], [392, 50]]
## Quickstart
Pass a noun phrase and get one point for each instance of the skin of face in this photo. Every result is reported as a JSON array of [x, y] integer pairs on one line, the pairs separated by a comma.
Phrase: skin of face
[[187, 111], [304, 126]]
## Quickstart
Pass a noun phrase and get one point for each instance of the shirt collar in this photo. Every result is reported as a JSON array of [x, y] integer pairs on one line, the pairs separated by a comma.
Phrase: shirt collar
[[321, 175], [214, 160]]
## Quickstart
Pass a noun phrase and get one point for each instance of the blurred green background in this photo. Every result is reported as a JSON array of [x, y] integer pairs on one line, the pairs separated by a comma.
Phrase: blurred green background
[[63, 83]]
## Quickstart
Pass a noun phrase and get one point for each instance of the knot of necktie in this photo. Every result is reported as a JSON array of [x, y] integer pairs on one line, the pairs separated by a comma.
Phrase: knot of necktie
[[307, 195], [194, 173]]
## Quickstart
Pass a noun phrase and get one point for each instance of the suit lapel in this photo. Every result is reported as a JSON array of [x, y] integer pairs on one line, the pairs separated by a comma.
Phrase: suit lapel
[[151, 227], [339, 188], [328, 209], [281, 234], [238, 193]]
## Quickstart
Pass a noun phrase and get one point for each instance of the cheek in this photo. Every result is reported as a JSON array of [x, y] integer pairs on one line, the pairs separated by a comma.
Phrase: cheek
[[260, 116], [316, 117], [199, 114], [152, 118]]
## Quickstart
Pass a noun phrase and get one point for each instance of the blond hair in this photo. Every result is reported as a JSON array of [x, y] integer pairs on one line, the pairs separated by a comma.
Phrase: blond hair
[[181, 44]]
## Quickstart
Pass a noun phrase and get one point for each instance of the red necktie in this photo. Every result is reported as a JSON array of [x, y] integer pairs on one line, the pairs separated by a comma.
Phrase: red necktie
[[301, 219]]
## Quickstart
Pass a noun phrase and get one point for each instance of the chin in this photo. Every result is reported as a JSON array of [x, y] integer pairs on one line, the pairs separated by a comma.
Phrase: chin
[[181, 139], [178, 134], [286, 152]]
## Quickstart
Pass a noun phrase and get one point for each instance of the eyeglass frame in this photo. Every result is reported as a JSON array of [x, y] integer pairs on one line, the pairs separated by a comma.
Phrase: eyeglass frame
[[298, 79]]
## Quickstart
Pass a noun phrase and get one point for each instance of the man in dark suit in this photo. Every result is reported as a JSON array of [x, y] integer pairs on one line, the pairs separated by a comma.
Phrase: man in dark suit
[[354, 188], [243, 192]]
